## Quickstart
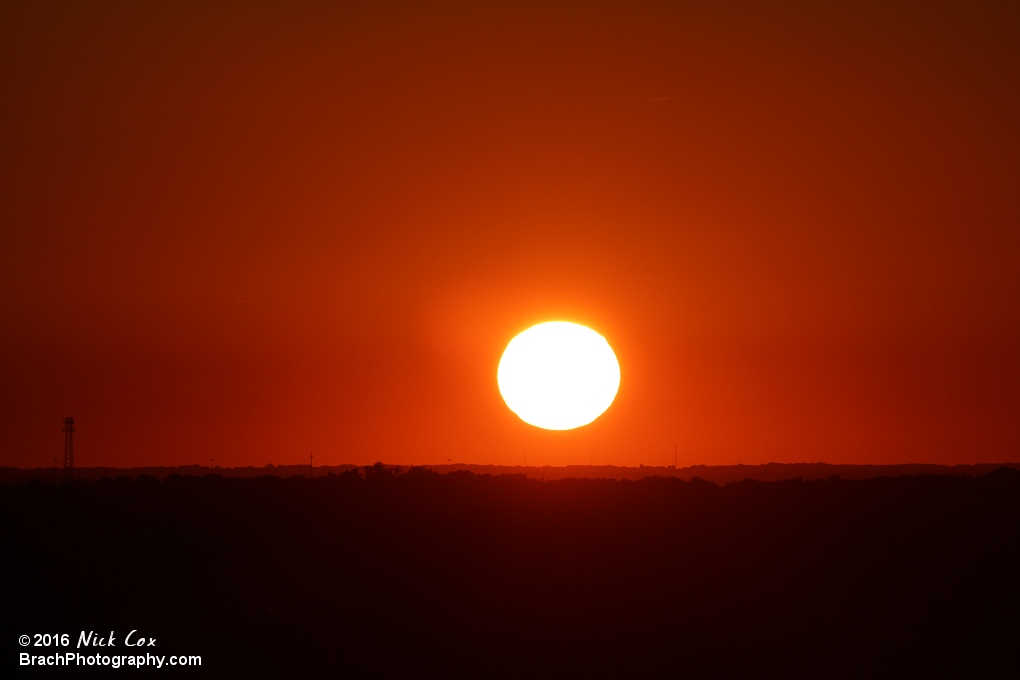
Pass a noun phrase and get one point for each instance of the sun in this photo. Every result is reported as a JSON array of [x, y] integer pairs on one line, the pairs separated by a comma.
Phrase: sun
[[558, 375]]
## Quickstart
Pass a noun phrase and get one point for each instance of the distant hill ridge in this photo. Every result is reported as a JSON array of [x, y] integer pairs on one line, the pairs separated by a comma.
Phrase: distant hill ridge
[[719, 474]]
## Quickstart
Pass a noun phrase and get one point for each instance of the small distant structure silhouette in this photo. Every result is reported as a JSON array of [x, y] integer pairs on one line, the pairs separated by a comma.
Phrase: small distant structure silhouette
[[310, 467], [68, 449]]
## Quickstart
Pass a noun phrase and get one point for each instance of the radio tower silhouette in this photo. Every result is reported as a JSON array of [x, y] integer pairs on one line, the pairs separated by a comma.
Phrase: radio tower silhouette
[[68, 449]]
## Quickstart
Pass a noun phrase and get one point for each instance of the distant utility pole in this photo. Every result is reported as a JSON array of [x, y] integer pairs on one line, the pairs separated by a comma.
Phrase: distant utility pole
[[310, 466], [68, 449], [674, 456]]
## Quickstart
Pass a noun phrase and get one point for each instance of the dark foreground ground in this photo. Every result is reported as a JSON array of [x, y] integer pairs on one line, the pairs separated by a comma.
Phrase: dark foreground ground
[[377, 574]]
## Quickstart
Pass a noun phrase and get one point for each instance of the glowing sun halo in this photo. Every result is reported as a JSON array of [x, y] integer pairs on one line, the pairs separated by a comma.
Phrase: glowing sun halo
[[558, 375]]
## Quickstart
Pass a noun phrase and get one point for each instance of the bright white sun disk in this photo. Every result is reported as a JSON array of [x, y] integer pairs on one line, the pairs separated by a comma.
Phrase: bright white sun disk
[[558, 375]]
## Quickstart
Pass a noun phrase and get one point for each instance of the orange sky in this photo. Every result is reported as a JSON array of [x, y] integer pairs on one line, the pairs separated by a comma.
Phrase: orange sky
[[244, 231]]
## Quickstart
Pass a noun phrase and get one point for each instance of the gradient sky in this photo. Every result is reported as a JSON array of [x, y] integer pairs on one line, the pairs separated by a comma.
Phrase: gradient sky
[[244, 231]]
